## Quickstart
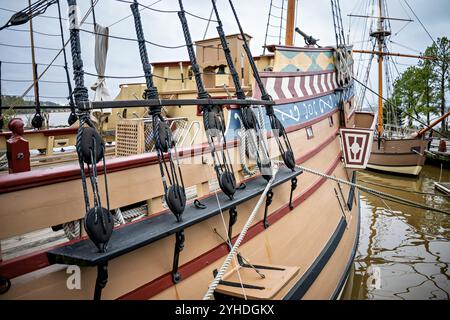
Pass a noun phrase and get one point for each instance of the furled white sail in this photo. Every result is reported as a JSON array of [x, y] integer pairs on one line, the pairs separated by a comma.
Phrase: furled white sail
[[101, 53]]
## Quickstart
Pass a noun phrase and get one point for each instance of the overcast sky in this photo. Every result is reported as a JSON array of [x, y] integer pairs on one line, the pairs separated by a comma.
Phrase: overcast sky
[[313, 16]]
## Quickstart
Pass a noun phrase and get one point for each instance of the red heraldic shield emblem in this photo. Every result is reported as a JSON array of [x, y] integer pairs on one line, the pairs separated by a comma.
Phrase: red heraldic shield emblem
[[357, 145]]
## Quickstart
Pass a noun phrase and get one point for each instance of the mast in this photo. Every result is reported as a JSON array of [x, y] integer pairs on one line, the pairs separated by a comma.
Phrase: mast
[[37, 123], [380, 71], [72, 117], [290, 23], [380, 35], [395, 54]]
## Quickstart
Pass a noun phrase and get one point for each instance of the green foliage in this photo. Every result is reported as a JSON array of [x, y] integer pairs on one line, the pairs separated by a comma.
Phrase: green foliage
[[440, 69], [421, 89], [407, 94], [12, 101], [18, 101]]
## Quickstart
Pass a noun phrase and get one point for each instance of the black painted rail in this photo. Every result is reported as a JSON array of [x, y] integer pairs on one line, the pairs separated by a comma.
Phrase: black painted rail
[[147, 231], [118, 104]]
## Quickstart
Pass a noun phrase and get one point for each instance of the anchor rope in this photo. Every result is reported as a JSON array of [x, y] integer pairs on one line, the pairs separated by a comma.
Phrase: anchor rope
[[371, 191], [228, 240], [404, 190], [240, 238], [402, 219]]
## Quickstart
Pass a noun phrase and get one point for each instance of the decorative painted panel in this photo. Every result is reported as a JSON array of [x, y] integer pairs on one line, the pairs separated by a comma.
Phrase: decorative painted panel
[[303, 61], [290, 114], [293, 86]]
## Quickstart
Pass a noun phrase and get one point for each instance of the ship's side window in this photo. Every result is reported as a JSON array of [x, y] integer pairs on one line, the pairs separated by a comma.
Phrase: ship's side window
[[331, 121], [309, 133]]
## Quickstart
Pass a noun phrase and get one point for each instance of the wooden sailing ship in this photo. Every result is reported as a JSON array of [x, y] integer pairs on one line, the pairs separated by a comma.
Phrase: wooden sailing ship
[[306, 230], [395, 149]]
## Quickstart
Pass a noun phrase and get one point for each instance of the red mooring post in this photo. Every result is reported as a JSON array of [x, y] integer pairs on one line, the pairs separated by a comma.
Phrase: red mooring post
[[442, 146], [17, 148]]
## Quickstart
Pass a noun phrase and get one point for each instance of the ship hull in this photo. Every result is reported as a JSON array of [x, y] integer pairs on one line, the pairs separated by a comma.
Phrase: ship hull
[[405, 156], [314, 232], [318, 236]]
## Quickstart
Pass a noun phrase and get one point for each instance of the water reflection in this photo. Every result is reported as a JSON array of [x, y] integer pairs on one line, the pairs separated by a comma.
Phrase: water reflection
[[403, 253]]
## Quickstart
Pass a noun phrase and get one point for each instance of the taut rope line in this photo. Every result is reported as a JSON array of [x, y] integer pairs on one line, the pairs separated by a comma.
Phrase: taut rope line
[[241, 236], [372, 191]]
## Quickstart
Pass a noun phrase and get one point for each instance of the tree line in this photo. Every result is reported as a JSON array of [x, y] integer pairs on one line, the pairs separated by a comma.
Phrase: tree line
[[11, 101], [421, 90]]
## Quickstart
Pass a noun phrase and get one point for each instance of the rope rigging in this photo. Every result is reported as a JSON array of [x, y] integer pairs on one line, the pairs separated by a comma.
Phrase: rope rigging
[[39, 16], [25, 15], [148, 42], [28, 63], [403, 113], [280, 26], [343, 56], [174, 191], [90, 147], [27, 47], [72, 116], [60, 50], [231, 255], [37, 120], [130, 15], [249, 120], [35, 32], [213, 120], [403, 189], [31, 80], [278, 129], [167, 11], [281, 22], [32, 96], [423, 26], [362, 93], [337, 22], [374, 192], [143, 76]]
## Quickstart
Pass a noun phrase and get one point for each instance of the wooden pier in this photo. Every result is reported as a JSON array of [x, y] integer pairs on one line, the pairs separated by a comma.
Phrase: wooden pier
[[434, 156]]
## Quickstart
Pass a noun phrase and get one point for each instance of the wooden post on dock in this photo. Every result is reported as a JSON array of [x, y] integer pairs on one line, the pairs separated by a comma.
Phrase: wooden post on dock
[[17, 148]]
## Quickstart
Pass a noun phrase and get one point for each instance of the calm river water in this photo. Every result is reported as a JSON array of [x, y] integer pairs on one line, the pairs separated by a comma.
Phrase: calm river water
[[403, 253]]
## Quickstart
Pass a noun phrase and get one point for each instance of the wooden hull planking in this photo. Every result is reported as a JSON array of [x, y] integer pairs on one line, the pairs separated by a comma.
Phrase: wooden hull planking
[[145, 273]]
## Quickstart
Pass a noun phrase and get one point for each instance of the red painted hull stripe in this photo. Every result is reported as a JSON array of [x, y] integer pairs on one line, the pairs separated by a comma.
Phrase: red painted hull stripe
[[26, 180], [46, 132], [38, 260]]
